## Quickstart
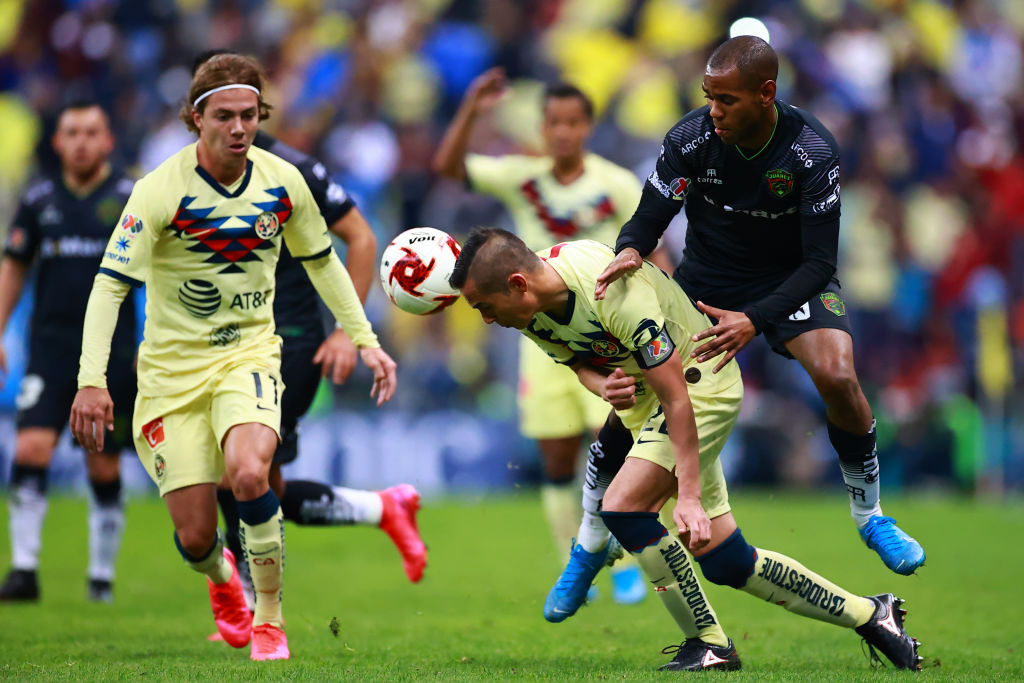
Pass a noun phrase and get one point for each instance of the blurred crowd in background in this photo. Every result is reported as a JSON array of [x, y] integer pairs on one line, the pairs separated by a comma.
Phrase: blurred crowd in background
[[925, 97]]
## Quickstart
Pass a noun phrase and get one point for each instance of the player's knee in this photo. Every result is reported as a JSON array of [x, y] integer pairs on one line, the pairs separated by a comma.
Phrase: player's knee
[[634, 530], [731, 563], [249, 483], [103, 467], [836, 380], [34, 448], [609, 451], [195, 543]]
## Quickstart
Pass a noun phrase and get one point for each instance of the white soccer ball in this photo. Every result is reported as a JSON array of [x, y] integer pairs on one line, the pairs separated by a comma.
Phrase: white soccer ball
[[415, 268]]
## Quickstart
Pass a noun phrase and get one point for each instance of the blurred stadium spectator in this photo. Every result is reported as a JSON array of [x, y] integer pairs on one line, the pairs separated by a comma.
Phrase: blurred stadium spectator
[[926, 99]]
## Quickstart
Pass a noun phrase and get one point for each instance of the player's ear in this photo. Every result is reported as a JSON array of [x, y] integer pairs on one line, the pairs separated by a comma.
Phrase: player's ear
[[197, 119], [517, 282], [767, 93]]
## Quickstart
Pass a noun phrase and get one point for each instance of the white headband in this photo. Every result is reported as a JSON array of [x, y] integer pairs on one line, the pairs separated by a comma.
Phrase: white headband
[[229, 86]]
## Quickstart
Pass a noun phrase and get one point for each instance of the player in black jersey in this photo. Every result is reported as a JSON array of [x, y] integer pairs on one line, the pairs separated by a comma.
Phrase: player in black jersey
[[62, 227], [760, 182], [306, 346]]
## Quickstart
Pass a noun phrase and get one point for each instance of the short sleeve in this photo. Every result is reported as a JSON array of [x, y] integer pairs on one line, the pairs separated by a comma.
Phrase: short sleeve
[[557, 351], [630, 311], [129, 251], [23, 236]]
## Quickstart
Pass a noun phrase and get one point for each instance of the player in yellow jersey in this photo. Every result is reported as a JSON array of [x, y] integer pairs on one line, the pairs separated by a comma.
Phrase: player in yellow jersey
[[203, 232], [680, 414], [570, 193]]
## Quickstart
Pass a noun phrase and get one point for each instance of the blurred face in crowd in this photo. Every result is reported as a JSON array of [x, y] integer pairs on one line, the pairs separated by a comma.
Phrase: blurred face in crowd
[[83, 141], [227, 126], [566, 127], [739, 107], [514, 308]]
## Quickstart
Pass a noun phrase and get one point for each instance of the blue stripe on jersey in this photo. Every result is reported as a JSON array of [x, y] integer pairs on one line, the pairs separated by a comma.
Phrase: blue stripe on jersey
[[123, 278], [319, 254]]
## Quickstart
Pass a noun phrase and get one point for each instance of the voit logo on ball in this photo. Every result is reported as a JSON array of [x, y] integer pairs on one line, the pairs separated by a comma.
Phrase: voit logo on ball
[[199, 297]]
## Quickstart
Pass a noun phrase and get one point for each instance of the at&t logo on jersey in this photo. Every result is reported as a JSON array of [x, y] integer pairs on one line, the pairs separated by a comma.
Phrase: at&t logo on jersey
[[199, 297]]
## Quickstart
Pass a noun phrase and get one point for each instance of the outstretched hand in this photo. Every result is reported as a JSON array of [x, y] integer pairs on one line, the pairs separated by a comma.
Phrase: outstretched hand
[[625, 262], [486, 89], [384, 379], [731, 333]]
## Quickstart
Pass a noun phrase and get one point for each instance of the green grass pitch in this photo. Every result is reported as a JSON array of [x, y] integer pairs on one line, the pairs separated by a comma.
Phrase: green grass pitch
[[477, 613]]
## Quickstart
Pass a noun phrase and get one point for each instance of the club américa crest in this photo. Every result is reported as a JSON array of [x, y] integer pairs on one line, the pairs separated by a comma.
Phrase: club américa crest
[[605, 348], [267, 225], [780, 181]]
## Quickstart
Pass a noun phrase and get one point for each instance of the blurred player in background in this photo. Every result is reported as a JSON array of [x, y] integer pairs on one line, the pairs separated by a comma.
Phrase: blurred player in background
[[307, 353], [568, 193], [203, 231], [62, 225], [680, 413], [760, 181]]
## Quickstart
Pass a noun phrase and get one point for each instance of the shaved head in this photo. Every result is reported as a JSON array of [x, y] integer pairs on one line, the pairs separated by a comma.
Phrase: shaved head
[[751, 56], [488, 257]]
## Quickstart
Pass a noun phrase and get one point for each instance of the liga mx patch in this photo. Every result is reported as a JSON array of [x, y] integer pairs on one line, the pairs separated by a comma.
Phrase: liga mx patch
[[832, 302], [656, 351], [678, 188], [132, 225]]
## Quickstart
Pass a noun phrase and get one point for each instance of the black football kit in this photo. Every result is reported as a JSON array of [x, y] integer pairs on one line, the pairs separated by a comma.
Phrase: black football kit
[[762, 228], [65, 235]]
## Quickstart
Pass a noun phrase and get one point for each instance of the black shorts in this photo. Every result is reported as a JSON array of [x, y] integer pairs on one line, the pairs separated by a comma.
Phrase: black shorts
[[827, 310], [301, 380], [51, 381]]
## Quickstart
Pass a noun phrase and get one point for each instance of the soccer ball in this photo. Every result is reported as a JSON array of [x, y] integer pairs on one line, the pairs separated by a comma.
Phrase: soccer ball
[[415, 268]]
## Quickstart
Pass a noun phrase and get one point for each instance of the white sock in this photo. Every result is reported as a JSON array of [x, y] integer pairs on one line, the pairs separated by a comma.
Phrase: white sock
[[356, 506], [106, 526], [27, 506]]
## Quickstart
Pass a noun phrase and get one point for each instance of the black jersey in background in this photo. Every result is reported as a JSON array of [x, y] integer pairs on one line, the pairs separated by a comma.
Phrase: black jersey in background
[[66, 235], [763, 228], [296, 308]]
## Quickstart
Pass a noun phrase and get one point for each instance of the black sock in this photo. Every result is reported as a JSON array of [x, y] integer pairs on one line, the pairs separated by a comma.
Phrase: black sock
[[308, 503]]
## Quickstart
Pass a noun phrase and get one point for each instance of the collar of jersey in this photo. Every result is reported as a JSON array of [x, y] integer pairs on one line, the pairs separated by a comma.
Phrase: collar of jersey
[[220, 188], [770, 138], [570, 307]]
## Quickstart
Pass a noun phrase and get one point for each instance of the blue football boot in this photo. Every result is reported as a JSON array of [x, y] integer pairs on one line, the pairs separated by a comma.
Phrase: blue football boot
[[570, 590], [901, 553], [628, 585]]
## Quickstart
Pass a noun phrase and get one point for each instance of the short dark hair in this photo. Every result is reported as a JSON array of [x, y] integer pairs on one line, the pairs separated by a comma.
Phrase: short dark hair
[[81, 103], [566, 90], [751, 56], [492, 254]]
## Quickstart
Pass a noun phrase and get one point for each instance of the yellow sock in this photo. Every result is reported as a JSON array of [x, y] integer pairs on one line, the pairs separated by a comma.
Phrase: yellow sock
[[562, 509], [788, 583], [669, 567], [264, 550]]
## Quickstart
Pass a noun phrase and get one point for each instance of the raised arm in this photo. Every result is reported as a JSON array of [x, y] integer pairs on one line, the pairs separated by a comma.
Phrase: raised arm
[[483, 93]]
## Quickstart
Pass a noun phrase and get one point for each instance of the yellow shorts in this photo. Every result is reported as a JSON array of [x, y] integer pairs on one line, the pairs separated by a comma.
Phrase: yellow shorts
[[552, 402], [715, 418], [179, 438]]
